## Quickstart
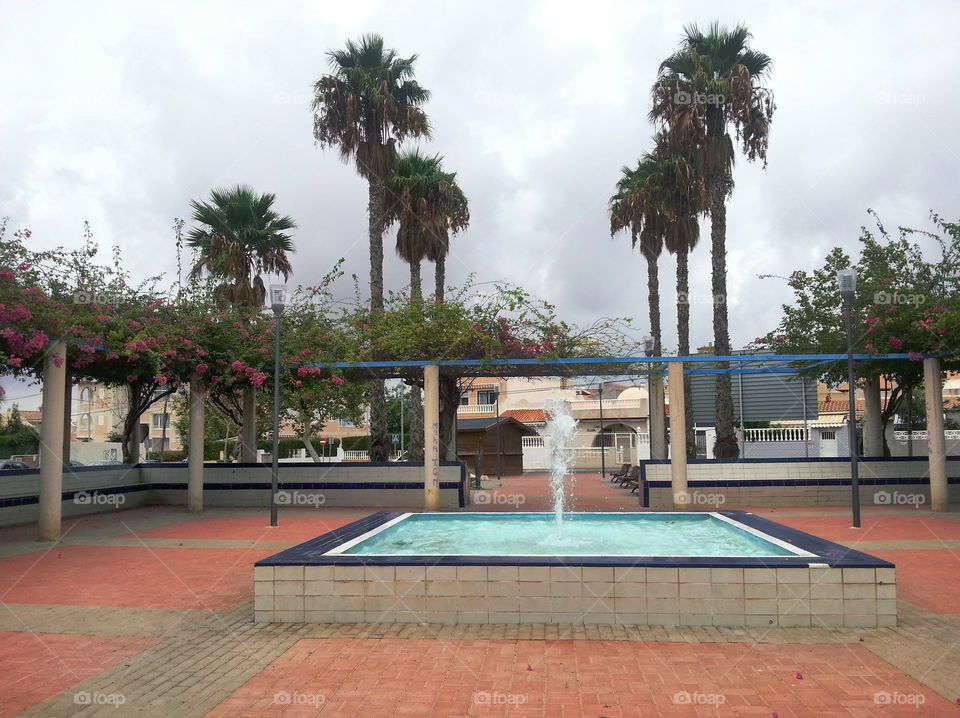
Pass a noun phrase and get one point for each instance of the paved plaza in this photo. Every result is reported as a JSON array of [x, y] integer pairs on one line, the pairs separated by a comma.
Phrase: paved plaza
[[149, 612]]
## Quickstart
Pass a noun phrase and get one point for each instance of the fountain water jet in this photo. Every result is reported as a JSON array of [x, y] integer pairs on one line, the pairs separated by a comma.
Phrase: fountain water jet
[[561, 428]]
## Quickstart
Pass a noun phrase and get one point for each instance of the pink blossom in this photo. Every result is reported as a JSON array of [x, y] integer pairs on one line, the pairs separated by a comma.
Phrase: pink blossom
[[6, 274], [258, 379], [337, 380], [237, 365], [896, 343], [160, 379], [201, 368], [23, 266], [297, 382]]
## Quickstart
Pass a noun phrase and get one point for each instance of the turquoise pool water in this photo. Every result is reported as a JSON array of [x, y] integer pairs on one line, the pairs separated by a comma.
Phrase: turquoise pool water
[[584, 534]]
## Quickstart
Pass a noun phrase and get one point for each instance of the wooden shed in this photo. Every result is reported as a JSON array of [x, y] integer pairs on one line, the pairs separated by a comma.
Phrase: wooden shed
[[478, 437]]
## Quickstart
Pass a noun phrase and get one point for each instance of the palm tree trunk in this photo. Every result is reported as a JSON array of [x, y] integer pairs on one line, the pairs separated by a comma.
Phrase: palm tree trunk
[[655, 406], [440, 277], [379, 447], [683, 344], [726, 446], [416, 283]]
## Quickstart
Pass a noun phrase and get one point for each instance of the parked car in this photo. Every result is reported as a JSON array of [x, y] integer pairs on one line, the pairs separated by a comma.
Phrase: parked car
[[76, 463], [105, 462], [12, 464]]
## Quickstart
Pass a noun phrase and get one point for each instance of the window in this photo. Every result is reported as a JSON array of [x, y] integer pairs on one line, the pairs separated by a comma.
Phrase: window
[[347, 424], [100, 393], [161, 420], [464, 400], [486, 397], [100, 420]]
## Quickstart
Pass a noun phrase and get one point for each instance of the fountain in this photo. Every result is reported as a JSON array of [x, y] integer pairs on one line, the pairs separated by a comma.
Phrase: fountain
[[562, 428]]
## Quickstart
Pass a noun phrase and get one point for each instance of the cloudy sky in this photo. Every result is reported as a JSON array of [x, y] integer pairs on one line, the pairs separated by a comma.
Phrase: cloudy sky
[[120, 113]]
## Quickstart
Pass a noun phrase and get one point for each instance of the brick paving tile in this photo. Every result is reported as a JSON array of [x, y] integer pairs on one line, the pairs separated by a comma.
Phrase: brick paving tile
[[134, 577], [35, 667], [583, 678]]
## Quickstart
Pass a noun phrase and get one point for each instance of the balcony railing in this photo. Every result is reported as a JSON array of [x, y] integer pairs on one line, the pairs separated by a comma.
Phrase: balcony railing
[[785, 434], [477, 409], [611, 404]]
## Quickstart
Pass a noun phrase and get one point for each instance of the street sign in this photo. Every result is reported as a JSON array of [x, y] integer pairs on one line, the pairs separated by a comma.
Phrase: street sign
[[395, 438], [323, 442]]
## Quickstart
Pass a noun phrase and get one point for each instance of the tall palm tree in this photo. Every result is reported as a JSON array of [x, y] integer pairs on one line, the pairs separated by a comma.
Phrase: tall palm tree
[[714, 82], [365, 106], [428, 205], [660, 202], [239, 238]]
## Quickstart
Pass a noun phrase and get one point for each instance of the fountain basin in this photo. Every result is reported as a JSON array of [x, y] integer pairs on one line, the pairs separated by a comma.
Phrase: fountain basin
[[721, 568]]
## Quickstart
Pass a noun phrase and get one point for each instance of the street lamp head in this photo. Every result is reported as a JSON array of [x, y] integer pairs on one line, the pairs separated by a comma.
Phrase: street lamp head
[[277, 297], [847, 282], [648, 346]]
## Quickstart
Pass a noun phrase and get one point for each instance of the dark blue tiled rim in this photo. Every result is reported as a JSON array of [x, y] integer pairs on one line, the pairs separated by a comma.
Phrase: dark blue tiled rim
[[310, 553]]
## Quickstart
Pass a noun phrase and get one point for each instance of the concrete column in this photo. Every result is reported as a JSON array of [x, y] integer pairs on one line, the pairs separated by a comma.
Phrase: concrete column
[[872, 422], [51, 440], [678, 437], [933, 388], [248, 435], [195, 457], [67, 418], [658, 448], [431, 436]]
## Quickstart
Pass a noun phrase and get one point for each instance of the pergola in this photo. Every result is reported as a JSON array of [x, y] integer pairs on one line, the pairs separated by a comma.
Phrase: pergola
[[675, 367]]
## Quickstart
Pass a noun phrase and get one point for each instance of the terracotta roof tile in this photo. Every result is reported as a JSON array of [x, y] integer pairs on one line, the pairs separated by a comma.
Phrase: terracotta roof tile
[[527, 416]]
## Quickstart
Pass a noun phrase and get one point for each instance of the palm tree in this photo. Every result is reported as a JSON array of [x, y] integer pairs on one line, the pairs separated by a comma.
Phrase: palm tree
[[369, 103], [241, 237], [659, 202], [714, 81], [428, 205]]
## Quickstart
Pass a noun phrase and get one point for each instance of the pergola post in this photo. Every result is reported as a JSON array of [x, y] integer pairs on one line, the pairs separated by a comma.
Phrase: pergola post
[[658, 441], [431, 437], [51, 440], [195, 456], [872, 421], [678, 437], [936, 441], [248, 432]]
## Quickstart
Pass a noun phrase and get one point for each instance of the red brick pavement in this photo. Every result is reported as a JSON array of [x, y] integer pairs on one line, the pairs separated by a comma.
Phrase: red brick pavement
[[554, 679], [131, 577], [34, 667]]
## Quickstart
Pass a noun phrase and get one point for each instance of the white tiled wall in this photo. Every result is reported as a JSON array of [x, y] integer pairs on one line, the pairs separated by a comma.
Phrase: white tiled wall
[[785, 597]]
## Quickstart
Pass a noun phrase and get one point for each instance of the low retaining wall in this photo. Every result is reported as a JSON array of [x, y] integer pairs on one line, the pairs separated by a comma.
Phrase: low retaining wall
[[885, 481], [354, 485]]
